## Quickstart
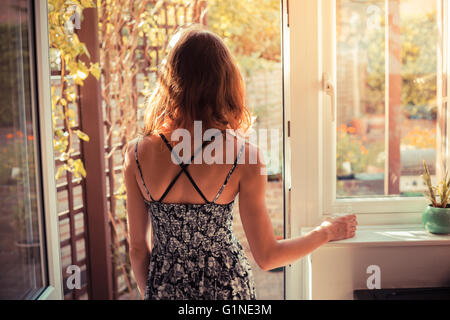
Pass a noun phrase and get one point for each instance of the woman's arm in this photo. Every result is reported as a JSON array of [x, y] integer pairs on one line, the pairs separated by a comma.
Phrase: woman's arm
[[267, 251], [138, 224]]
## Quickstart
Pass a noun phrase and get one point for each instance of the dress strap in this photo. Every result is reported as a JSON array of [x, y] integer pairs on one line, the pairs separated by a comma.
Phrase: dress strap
[[140, 170], [184, 168], [229, 173]]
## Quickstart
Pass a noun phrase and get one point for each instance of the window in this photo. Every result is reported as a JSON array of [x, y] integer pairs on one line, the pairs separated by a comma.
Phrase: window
[[387, 96], [326, 47], [23, 271], [364, 142], [389, 111], [388, 108]]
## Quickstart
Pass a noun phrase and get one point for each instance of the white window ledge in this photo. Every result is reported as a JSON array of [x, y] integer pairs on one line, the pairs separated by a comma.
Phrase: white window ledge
[[392, 236]]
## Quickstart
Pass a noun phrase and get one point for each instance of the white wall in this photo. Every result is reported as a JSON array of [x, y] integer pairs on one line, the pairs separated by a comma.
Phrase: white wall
[[337, 271]]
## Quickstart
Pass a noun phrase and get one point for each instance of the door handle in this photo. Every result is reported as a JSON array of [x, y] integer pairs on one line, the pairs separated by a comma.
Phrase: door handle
[[330, 90]]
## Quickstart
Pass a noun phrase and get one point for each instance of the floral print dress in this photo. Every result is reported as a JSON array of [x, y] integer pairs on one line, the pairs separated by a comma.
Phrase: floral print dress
[[195, 254]]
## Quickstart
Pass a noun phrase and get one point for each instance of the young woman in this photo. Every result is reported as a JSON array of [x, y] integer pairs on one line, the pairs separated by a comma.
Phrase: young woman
[[180, 212]]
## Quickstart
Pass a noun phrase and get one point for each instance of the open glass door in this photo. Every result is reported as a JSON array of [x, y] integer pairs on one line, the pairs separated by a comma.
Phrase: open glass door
[[241, 24], [27, 269]]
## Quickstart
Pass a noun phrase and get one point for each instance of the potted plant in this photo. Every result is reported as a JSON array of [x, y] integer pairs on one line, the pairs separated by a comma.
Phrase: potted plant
[[436, 217]]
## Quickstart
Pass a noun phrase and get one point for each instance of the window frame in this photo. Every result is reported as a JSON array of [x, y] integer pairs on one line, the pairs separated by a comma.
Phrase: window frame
[[40, 119], [312, 141], [50, 251]]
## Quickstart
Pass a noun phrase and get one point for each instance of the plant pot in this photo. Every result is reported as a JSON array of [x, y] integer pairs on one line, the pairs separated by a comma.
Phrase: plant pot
[[436, 220]]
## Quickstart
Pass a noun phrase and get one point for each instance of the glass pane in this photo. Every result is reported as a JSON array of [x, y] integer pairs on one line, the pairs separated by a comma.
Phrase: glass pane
[[20, 243], [240, 24], [385, 132]]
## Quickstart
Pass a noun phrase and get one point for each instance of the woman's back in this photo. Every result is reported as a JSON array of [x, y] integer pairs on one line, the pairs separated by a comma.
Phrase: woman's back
[[195, 254], [159, 170]]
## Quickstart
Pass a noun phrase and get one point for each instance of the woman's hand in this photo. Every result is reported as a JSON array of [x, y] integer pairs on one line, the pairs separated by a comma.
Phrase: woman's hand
[[340, 228]]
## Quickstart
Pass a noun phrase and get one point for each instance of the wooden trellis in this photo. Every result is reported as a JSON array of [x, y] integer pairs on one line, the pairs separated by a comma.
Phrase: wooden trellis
[[72, 213]]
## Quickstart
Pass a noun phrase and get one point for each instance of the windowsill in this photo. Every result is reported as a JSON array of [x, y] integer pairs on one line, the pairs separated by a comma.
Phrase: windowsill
[[392, 236]]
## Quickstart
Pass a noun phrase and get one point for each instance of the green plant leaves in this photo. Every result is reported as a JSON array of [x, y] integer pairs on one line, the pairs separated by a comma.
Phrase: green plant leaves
[[442, 190]]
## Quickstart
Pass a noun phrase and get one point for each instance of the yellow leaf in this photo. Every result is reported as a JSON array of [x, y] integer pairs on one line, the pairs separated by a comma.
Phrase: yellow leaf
[[81, 168], [70, 113], [83, 136], [88, 3], [95, 70], [80, 74], [59, 173]]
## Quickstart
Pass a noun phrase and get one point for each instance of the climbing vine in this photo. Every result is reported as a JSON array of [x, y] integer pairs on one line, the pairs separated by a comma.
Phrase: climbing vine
[[65, 51]]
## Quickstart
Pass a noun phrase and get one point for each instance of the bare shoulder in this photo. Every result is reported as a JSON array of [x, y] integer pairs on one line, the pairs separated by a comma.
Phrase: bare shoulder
[[252, 173], [136, 147], [252, 161], [129, 163], [145, 145]]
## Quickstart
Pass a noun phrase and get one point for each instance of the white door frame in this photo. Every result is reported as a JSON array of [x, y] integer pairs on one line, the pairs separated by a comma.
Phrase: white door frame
[[54, 290], [302, 73]]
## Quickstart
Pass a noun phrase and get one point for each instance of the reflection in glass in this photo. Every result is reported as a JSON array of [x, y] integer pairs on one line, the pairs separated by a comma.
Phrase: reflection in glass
[[20, 243], [241, 24], [384, 133]]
